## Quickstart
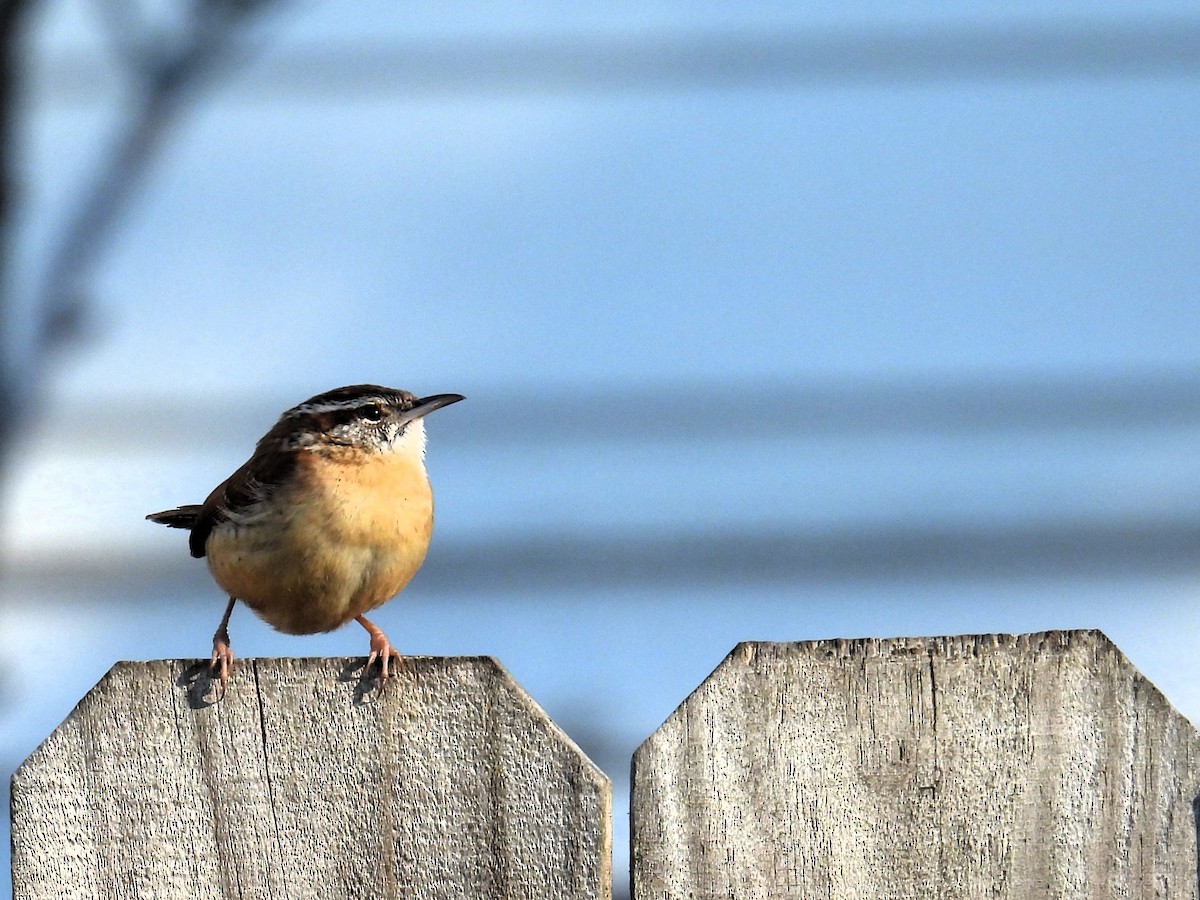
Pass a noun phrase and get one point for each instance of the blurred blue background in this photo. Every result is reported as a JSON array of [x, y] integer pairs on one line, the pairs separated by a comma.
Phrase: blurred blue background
[[776, 321]]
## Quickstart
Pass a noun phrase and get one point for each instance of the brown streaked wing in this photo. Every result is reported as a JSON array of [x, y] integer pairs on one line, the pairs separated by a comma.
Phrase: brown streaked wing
[[268, 467]]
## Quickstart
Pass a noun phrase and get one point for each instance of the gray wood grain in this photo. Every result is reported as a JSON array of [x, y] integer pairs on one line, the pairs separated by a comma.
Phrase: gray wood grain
[[1009, 766], [452, 783]]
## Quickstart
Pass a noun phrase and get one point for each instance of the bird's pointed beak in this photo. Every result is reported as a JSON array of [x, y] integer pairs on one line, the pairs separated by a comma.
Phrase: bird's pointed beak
[[426, 405]]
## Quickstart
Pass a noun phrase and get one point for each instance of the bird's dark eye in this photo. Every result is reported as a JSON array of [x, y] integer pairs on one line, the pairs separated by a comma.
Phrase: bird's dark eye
[[372, 413]]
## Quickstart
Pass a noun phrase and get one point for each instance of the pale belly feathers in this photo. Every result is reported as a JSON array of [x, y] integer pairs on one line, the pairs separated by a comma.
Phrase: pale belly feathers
[[347, 549]]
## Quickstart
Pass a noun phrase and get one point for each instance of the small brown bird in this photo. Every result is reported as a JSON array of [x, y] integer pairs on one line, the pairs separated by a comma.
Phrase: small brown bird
[[328, 519]]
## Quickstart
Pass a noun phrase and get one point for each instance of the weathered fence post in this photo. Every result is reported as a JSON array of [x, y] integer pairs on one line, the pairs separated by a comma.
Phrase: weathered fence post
[[452, 783], [1038, 766]]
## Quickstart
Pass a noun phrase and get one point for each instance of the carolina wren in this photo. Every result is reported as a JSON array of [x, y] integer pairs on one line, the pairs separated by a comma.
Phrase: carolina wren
[[328, 519]]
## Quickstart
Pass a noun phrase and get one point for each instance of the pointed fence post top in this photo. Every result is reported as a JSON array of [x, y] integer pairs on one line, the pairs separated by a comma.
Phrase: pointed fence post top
[[909, 767], [299, 782]]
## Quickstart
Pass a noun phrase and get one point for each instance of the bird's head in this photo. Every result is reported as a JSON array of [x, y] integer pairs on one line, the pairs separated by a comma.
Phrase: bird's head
[[360, 416]]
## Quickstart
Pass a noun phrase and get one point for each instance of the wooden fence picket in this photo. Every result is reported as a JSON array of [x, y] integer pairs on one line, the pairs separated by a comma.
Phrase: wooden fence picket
[[1028, 766], [297, 784]]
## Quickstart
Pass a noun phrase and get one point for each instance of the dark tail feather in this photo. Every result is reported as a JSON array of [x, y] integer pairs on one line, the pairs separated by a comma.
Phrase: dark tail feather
[[180, 517]]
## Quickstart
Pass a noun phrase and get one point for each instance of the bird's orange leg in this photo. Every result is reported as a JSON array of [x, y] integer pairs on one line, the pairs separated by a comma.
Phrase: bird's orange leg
[[381, 649], [222, 654]]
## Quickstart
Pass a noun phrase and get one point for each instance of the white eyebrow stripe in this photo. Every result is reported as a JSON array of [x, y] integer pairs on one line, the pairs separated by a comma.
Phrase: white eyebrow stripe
[[335, 405]]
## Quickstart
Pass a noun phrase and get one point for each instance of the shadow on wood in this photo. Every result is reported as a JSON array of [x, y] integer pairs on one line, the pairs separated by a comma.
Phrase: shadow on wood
[[452, 783], [1024, 766]]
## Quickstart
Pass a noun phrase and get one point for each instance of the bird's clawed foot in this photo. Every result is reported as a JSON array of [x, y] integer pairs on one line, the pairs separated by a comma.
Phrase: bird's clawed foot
[[222, 659], [222, 655], [381, 649]]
